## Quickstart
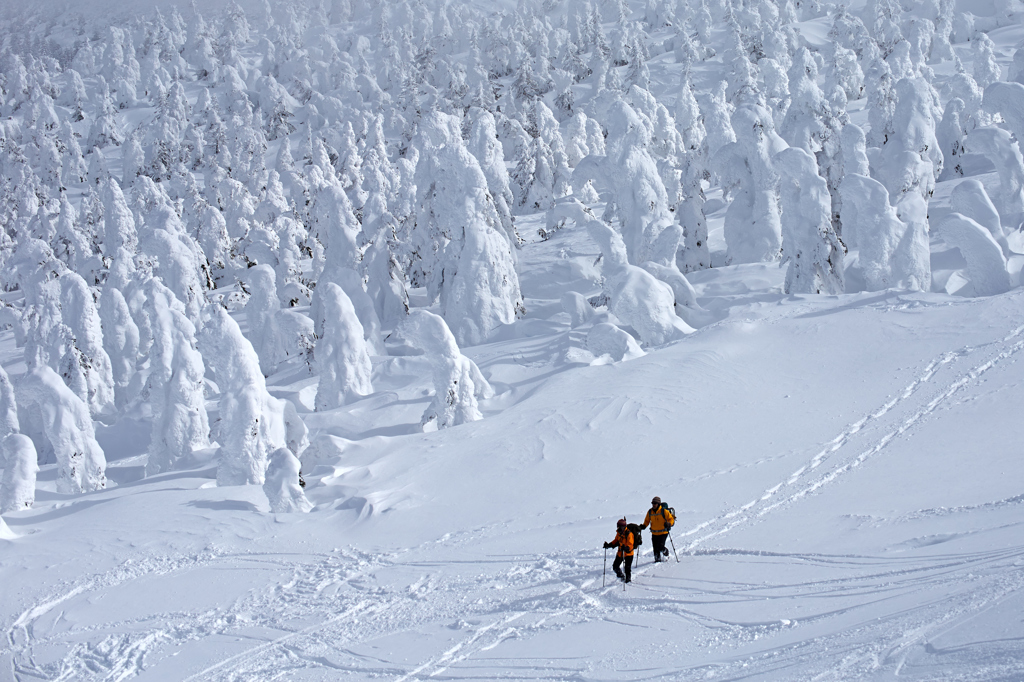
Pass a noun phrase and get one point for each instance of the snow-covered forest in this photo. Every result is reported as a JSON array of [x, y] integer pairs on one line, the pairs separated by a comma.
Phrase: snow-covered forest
[[263, 265]]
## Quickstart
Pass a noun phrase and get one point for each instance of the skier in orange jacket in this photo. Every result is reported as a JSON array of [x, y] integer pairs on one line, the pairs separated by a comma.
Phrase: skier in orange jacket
[[624, 557]]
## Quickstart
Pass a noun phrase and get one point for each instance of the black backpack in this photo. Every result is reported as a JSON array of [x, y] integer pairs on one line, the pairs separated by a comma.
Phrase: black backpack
[[638, 539]]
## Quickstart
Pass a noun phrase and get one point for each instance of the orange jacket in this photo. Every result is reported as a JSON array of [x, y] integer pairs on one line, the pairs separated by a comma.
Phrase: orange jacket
[[660, 520], [624, 541]]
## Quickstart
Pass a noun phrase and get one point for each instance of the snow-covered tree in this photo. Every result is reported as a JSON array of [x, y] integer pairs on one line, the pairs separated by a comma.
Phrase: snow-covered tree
[[263, 304], [694, 253], [910, 162], [645, 298], [1006, 100], [133, 161], [809, 244], [986, 69], [120, 340], [986, 264], [179, 261], [941, 48], [341, 353], [333, 224], [630, 175], [717, 113], [350, 166], [806, 121], [282, 484], [533, 179], [969, 198], [753, 230], [870, 223], [176, 371], [8, 407], [576, 140], [911, 159], [458, 382], [385, 278], [119, 230], [476, 282], [211, 233], [252, 422], [352, 283], [74, 169], [881, 100], [105, 129], [484, 145], [34, 270], [18, 487], [69, 243], [62, 431], [950, 134], [637, 297], [79, 313], [1001, 148]]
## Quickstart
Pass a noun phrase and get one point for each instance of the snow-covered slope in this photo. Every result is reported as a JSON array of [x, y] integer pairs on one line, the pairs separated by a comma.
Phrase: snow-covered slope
[[844, 469]]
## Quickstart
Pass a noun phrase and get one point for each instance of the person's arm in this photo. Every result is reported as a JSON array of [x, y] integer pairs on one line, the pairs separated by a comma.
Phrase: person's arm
[[647, 521]]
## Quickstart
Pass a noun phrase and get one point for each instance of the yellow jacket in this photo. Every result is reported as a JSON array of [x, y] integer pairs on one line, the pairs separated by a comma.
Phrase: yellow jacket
[[624, 541], [660, 520]]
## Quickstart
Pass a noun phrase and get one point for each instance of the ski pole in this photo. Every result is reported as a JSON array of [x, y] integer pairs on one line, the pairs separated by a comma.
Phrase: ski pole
[[605, 571], [673, 546]]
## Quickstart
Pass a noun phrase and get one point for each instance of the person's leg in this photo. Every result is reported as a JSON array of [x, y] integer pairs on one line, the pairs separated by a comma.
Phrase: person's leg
[[629, 567], [658, 544], [616, 564]]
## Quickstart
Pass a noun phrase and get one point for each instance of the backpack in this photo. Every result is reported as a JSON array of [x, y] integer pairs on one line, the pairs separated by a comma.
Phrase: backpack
[[638, 539], [672, 513]]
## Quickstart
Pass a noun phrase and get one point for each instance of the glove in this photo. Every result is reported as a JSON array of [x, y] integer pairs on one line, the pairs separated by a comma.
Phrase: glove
[[606, 545]]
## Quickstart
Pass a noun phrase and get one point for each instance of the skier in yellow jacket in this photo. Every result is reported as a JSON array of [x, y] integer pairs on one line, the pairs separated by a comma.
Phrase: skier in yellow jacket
[[624, 541], [660, 519]]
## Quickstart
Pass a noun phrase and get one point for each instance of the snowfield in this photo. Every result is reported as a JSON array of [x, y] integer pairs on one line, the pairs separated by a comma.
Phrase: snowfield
[[492, 275], [844, 469]]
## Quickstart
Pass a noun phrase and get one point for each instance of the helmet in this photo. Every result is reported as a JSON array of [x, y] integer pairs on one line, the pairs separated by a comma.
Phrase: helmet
[[656, 500], [621, 523]]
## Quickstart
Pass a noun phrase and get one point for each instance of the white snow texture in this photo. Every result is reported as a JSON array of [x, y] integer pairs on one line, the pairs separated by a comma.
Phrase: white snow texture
[[335, 337]]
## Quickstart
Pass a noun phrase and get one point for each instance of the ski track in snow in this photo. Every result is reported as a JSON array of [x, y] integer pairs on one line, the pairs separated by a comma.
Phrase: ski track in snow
[[801, 483], [119, 656], [355, 613], [955, 587], [890, 647], [550, 593]]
